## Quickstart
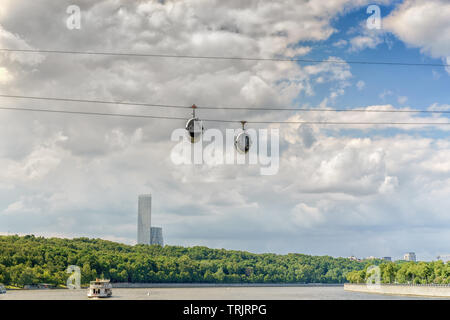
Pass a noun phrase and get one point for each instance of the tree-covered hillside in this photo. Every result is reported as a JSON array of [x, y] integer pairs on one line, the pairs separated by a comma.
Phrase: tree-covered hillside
[[31, 260]]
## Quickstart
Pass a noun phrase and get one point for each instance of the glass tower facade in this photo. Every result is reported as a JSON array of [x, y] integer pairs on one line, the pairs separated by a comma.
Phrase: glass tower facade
[[156, 236], [144, 218]]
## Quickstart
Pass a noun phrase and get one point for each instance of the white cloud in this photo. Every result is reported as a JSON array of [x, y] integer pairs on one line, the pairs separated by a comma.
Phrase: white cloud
[[436, 75], [366, 38], [306, 216], [12, 41], [5, 76], [340, 43], [360, 85], [422, 24], [402, 99], [385, 94], [389, 185], [369, 40]]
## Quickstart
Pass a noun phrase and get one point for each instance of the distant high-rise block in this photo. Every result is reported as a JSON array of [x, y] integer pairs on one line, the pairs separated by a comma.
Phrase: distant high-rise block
[[444, 258], [156, 236], [409, 256], [144, 218]]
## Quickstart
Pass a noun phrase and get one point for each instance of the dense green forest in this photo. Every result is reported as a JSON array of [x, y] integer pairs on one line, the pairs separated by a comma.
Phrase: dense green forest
[[436, 272], [32, 260]]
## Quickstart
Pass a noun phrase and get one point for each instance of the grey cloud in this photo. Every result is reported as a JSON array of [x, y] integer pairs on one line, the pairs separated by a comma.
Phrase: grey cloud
[[80, 175]]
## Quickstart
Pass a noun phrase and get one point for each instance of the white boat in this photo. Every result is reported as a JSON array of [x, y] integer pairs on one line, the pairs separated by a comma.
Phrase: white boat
[[2, 289], [100, 288]]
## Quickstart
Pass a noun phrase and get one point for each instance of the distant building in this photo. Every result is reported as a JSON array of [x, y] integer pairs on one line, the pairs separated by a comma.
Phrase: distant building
[[371, 258], [409, 256], [444, 258], [156, 236], [144, 218], [353, 258], [387, 258], [146, 234]]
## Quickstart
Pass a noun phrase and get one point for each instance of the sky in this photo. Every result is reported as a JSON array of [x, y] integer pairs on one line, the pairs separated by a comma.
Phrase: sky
[[340, 190]]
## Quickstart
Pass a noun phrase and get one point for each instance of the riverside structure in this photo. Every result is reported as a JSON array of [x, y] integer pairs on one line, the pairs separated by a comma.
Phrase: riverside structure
[[421, 290]]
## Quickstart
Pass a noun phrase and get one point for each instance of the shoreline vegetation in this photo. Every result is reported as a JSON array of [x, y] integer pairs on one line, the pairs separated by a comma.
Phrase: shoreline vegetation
[[29, 260], [404, 273]]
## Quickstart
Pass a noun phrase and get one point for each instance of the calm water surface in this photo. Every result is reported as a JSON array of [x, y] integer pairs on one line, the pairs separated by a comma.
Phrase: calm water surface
[[225, 293]]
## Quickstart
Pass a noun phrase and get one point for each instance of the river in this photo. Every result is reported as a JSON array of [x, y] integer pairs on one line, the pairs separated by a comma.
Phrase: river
[[208, 293]]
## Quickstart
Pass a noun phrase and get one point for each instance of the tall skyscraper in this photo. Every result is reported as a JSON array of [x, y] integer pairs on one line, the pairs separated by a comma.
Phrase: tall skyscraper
[[144, 218], [156, 236]]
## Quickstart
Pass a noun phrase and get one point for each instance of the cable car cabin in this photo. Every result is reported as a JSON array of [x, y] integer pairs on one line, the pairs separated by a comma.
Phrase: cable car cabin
[[194, 127], [242, 142]]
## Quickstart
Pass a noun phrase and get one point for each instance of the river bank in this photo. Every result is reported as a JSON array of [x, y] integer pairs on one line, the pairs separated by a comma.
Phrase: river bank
[[220, 285], [128, 285], [435, 291]]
